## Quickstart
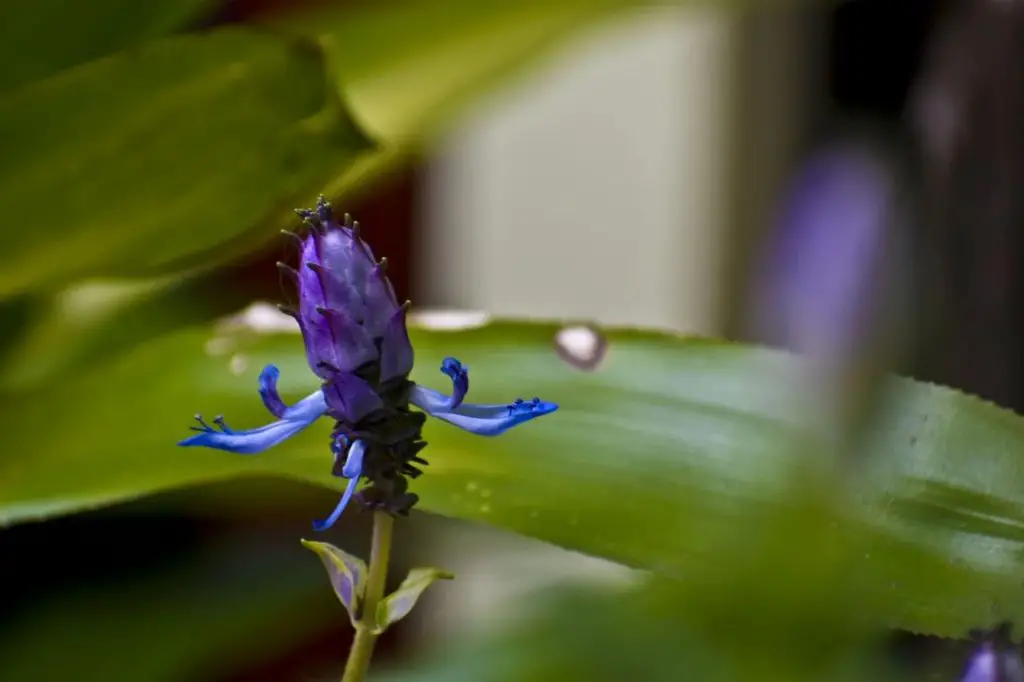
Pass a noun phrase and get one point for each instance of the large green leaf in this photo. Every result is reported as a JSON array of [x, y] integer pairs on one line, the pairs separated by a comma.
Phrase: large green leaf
[[41, 37], [142, 161], [656, 459]]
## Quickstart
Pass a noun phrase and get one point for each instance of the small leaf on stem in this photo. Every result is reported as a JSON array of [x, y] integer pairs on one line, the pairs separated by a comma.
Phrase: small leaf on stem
[[346, 572], [400, 603]]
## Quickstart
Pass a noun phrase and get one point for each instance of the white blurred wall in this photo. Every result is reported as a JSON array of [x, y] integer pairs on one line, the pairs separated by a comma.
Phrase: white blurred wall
[[596, 189]]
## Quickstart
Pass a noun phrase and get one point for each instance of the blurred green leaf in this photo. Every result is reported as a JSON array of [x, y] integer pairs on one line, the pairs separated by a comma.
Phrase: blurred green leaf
[[186, 151], [142, 162], [670, 449], [406, 68], [41, 37], [346, 572], [17, 316], [93, 321], [400, 603], [196, 619], [647, 632]]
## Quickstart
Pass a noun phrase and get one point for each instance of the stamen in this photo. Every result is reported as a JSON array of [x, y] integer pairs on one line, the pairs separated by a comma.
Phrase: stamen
[[291, 235], [323, 209], [288, 270]]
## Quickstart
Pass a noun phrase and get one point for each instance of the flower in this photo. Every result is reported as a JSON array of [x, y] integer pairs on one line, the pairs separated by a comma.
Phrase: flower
[[829, 266], [356, 341], [995, 658]]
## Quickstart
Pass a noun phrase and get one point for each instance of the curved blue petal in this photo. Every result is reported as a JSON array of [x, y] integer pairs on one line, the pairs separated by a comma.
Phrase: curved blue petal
[[252, 441], [483, 420], [313, 403], [459, 374], [353, 469], [354, 462], [247, 442], [268, 391], [435, 401], [336, 514]]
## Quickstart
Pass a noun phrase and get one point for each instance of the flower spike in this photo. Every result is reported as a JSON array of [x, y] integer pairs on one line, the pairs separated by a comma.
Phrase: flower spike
[[357, 343]]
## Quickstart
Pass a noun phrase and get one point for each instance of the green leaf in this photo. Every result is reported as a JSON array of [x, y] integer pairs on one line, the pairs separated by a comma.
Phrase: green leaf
[[400, 603], [155, 159], [183, 152], [41, 37], [93, 322], [346, 572], [668, 454], [17, 317]]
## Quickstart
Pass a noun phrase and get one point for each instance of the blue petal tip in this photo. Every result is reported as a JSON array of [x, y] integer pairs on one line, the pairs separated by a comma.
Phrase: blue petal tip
[[350, 489]]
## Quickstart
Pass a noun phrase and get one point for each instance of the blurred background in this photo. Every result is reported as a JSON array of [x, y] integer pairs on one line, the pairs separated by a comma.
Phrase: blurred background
[[632, 174]]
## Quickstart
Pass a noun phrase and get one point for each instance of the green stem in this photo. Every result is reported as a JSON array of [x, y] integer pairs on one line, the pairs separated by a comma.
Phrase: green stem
[[380, 552]]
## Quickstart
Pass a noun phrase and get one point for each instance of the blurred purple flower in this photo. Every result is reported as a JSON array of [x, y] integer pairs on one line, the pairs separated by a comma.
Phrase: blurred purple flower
[[825, 268], [995, 659], [356, 342], [831, 285]]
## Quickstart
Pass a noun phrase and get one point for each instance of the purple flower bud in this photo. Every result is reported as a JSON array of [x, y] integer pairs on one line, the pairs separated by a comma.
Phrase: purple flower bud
[[347, 309]]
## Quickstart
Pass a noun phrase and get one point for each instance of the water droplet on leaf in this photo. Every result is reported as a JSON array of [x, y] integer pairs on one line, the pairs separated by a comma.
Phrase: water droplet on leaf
[[582, 346]]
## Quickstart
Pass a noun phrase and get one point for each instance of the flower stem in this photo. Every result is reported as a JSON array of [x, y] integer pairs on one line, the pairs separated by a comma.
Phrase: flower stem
[[362, 646]]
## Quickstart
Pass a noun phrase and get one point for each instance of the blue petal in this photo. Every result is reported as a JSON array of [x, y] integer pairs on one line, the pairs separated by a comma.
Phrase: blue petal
[[354, 462], [353, 469], [268, 391], [483, 420], [313, 403], [301, 415], [459, 374]]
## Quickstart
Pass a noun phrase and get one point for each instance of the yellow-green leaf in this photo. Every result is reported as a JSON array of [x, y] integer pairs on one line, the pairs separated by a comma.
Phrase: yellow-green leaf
[[346, 572], [400, 603]]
